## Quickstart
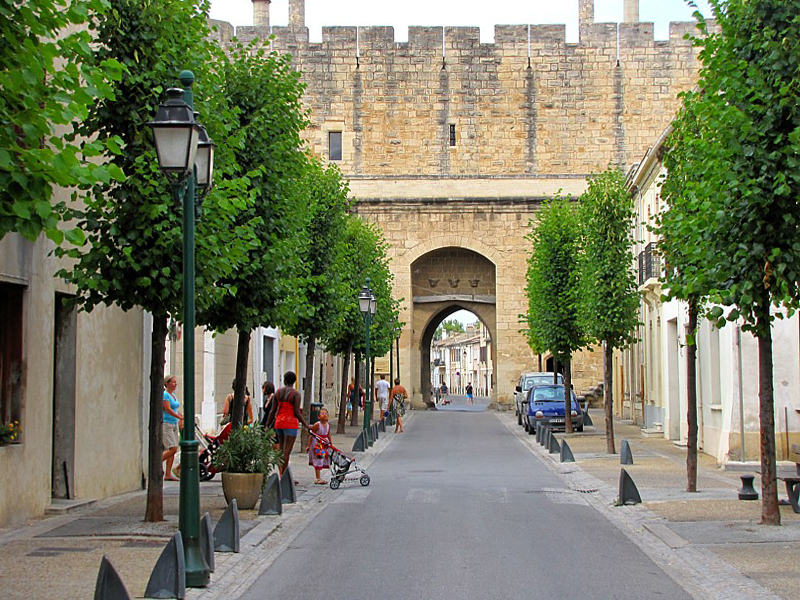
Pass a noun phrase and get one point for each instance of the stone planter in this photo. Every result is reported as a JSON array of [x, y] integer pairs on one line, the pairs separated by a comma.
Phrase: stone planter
[[245, 487]]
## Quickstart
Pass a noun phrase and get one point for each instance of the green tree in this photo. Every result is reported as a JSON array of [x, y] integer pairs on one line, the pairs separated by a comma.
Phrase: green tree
[[365, 256], [49, 77], [747, 182], [324, 290], [609, 301], [686, 277], [451, 326], [265, 94], [553, 280], [134, 255]]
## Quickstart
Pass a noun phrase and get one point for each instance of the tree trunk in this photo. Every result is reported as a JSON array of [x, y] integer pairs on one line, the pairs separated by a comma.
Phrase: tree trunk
[[356, 383], [555, 371], [691, 400], [155, 471], [340, 428], [607, 368], [242, 354], [568, 396], [770, 513], [308, 388], [540, 362]]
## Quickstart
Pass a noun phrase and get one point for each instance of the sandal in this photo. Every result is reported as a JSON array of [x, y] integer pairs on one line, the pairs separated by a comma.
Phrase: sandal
[[320, 481]]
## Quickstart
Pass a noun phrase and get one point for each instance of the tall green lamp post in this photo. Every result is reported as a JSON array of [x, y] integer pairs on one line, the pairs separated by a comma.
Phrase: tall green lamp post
[[367, 304], [186, 156]]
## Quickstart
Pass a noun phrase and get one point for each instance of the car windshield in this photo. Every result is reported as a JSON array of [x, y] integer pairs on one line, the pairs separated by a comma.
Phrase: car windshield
[[549, 393], [532, 380]]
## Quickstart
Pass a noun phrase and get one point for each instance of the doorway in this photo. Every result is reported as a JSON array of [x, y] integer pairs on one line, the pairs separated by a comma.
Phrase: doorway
[[64, 382]]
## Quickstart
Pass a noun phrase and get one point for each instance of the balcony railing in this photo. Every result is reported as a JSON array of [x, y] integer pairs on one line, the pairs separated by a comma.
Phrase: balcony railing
[[649, 263]]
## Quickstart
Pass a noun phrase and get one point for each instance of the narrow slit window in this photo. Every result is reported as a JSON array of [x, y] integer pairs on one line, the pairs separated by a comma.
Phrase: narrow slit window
[[452, 135], [335, 145]]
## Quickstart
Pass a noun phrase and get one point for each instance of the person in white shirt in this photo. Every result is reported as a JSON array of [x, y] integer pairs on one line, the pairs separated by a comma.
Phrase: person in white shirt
[[382, 394]]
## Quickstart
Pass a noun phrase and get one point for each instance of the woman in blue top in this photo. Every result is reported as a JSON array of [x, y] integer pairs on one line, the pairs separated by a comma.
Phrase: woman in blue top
[[173, 420]]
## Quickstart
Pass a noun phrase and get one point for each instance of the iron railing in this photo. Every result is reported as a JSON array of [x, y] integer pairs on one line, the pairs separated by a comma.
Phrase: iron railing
[[649, 263]]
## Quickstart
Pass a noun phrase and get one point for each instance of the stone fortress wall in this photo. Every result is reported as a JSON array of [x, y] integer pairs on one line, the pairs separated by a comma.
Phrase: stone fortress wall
[[450, 142]]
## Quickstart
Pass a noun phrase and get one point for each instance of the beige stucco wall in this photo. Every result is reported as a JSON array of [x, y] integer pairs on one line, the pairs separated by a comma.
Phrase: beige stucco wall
[[108, 395]]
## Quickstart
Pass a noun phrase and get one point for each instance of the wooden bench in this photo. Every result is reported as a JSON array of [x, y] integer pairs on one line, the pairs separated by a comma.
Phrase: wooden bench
[[793, 482]]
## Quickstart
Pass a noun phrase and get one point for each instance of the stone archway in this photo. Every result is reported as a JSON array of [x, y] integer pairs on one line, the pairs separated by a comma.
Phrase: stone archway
[[444, 281]]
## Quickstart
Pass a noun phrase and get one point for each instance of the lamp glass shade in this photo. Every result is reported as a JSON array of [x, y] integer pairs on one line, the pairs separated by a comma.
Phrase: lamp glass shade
[[176, 134], [373, 305], [205, 165], [364, 300]]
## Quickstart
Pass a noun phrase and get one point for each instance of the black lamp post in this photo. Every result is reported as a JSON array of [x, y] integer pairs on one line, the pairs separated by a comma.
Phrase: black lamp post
[[186, 156], [367, 304]]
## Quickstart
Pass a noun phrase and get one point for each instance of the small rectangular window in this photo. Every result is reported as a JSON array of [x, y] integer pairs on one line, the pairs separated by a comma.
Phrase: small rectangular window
[[335, 145], [452, 134]]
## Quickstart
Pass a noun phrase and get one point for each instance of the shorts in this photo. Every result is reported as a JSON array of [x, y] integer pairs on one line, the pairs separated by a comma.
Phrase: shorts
[[281, 434], [170, 436], [384, 403]]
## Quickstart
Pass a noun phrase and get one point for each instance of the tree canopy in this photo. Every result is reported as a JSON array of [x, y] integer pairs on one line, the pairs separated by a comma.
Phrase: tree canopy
[[49, 78]]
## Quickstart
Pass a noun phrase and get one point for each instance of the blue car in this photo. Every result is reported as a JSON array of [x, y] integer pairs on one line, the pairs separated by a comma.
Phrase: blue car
[[545, 404]]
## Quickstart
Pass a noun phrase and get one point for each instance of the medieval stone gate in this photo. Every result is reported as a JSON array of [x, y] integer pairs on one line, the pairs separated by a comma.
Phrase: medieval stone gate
[[450, 145]]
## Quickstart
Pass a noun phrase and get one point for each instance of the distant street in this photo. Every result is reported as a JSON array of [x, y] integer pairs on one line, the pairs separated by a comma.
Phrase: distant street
[[458, 508]]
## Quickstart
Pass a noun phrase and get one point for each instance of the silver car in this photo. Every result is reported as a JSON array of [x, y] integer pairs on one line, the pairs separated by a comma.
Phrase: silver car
[[526, 382]]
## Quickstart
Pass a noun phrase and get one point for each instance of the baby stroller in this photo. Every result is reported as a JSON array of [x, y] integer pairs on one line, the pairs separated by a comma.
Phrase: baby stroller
[[208, 446], [342, 465]]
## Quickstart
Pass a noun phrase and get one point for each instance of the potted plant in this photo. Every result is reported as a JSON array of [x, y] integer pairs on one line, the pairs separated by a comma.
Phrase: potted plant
[[9, 432], [244, 459]]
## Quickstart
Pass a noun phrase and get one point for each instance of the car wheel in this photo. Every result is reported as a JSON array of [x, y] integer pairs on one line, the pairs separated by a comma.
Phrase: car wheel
[[579, 429], [532, 429]]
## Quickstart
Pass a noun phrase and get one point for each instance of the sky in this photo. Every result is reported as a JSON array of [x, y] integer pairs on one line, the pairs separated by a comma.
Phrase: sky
[[455, 13]]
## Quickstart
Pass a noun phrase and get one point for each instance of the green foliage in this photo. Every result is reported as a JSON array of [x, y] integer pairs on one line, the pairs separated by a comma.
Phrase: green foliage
[[248, 450], [265, 94], [450, 326], [366, 257], [323, 290], [730, 235], [609, 300], [553, 281], [135, 255], [49, 78]]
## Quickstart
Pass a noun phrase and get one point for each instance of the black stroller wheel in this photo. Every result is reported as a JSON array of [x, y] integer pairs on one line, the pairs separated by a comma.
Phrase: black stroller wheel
[[364, 480], [335, 483]]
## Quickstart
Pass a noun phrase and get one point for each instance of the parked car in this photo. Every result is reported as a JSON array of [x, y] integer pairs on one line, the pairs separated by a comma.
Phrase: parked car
[[526, 382], [545, 404]]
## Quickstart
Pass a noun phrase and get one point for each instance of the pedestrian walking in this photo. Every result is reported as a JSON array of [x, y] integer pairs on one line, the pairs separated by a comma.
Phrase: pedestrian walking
[[397, 400], [287, 417], [173, 422], [382, 393], [318, 446], [469, 393], [268, 397]]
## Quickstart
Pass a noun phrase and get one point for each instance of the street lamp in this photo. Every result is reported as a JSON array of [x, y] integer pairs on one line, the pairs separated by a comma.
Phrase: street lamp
[[368, 305], [186, 156]]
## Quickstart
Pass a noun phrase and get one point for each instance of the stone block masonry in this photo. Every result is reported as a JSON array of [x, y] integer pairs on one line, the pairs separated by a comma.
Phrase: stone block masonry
[[452, 143]]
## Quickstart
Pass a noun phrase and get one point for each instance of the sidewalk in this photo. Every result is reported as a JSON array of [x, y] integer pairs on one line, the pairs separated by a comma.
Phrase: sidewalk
[[59, 557], [699, 528]]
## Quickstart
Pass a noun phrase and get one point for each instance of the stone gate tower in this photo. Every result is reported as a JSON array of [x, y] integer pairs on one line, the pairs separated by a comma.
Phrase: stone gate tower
[[451, 145]]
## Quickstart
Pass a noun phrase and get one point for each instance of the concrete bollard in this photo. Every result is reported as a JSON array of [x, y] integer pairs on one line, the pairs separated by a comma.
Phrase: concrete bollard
[[288, 493], [748, 492], [271, 503], [207, 540], [109, 584], [226, 533], [628, 492], [566, 453], [168, 579], [360, 445], [625, 454], [553, 446]]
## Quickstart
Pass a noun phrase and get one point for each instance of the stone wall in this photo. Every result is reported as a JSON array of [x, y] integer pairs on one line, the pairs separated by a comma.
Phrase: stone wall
[[453, 143]]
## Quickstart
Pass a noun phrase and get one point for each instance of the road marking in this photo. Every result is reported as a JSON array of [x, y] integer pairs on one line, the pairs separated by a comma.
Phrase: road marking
[[498, 496], [353, 496], [423, 496]]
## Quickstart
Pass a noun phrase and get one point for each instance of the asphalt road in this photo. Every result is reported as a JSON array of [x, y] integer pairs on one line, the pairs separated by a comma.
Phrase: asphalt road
[[458, 508]]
